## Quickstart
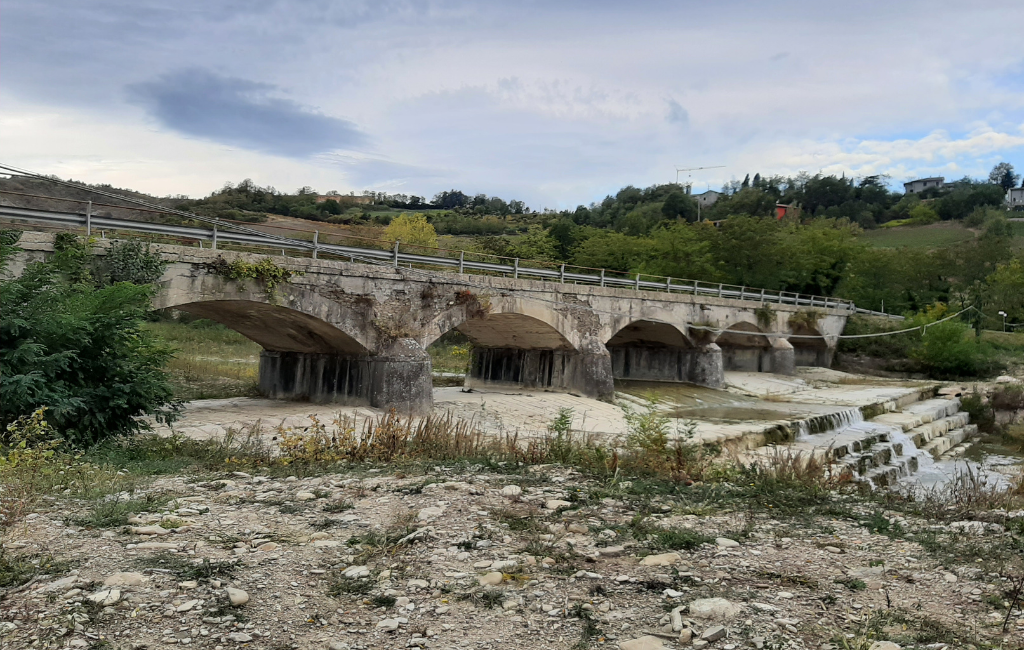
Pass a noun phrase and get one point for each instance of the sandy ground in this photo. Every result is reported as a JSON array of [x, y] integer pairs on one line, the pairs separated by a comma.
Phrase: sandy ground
[[751, 404]]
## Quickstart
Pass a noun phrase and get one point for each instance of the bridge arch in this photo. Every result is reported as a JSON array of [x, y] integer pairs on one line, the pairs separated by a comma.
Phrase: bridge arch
[[809, 351], [291, 319], [503, 323], [651, 350]]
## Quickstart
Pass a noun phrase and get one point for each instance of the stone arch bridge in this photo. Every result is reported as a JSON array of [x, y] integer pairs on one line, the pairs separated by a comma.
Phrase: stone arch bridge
[[358, 333]]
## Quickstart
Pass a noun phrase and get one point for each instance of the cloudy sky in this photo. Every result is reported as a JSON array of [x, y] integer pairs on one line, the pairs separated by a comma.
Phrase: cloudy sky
[[555, 103]]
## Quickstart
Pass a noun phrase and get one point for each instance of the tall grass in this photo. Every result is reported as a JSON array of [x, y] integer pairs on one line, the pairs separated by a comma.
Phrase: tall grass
[[211, 361]]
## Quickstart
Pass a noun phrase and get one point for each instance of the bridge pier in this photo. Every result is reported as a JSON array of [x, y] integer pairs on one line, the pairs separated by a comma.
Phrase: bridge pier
[[586, 372], [398, 378]]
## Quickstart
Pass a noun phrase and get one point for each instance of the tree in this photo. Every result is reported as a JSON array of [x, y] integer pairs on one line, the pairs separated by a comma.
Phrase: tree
[[1003, 176], [678, 205], [1005, 289], [78, 349], [411, 230], [450, 199], [564, 233]]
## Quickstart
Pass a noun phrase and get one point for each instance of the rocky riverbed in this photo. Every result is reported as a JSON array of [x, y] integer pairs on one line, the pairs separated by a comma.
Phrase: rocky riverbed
[[469, 558]]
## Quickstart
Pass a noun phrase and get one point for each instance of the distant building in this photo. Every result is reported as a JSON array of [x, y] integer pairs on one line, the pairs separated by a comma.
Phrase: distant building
[[922, 184], [708, 198], [351, 199], [783, 210], [1015, 198]]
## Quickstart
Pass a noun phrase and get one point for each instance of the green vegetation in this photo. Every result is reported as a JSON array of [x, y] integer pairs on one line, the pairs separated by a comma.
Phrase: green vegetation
[[412, 230], [938, 235], [75, 344]]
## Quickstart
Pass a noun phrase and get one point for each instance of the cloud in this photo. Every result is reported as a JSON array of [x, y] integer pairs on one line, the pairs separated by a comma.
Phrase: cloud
[[676, 113], [241, 113]]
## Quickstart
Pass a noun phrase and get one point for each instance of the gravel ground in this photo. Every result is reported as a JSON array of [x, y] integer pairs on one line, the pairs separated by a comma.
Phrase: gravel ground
[[487, 561]]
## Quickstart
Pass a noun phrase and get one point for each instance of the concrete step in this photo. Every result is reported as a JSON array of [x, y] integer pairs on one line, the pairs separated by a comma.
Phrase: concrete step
[[924, 434], [921, 413], [939, 446]]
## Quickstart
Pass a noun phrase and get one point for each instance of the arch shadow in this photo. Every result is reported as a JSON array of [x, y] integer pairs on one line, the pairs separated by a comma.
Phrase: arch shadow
[[650, 350], [745, 347], [809, 351], [277, 328]]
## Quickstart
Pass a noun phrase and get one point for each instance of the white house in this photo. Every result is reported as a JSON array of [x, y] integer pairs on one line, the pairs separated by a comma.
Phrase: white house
[[1015, 198], [922, 184]]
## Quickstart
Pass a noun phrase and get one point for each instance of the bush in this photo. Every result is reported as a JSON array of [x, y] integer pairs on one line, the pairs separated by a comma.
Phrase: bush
[[79, 350], [130, 261], [947, 352]]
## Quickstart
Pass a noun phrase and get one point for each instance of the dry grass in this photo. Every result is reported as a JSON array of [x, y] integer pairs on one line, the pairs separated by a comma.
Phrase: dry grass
[[211, 361]]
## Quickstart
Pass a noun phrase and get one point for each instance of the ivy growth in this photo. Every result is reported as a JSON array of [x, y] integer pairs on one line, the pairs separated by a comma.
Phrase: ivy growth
[[765, 316], [265, 271]]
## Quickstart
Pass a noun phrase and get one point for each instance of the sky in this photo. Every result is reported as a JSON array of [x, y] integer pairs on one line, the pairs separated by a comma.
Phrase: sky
[[557, 103]]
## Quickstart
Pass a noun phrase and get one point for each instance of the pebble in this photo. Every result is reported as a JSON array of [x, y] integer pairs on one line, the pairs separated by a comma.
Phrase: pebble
[[239, 637], [714, 609], [125, 579], [355, 572], [186, 606], [713, 634], [491, 579], [304, 496], [388, 624], [149, 530], [883, 645], [725, 542], [664, 559], [555, 504], [511, 491], [105, 597], [237, 597], [642, 643]]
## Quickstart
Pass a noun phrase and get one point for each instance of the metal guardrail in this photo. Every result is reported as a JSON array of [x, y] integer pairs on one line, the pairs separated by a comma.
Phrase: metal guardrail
[[229, 233]]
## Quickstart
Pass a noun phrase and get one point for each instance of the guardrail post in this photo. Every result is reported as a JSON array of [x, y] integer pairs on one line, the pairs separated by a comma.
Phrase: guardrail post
[[762, 296], [561, 274], [462, 261], [88, 219], [515, 269], [721, 288], [602, 277], [214, 246], [668, 285], [316, 242], [638, 282], [396, 253]]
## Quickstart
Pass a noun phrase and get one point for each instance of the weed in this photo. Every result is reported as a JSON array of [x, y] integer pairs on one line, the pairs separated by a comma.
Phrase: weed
[[113, 512], [381, 600], [334, 507], [324, 524], [589, 632], [16, 570], [490, 598], [675, 539], [340, 585], [853, 584], [185, 568]]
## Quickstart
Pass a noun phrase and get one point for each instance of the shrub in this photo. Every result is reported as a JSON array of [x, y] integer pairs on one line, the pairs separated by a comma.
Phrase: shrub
[[130, 261], [79, 350], [946, 351]]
